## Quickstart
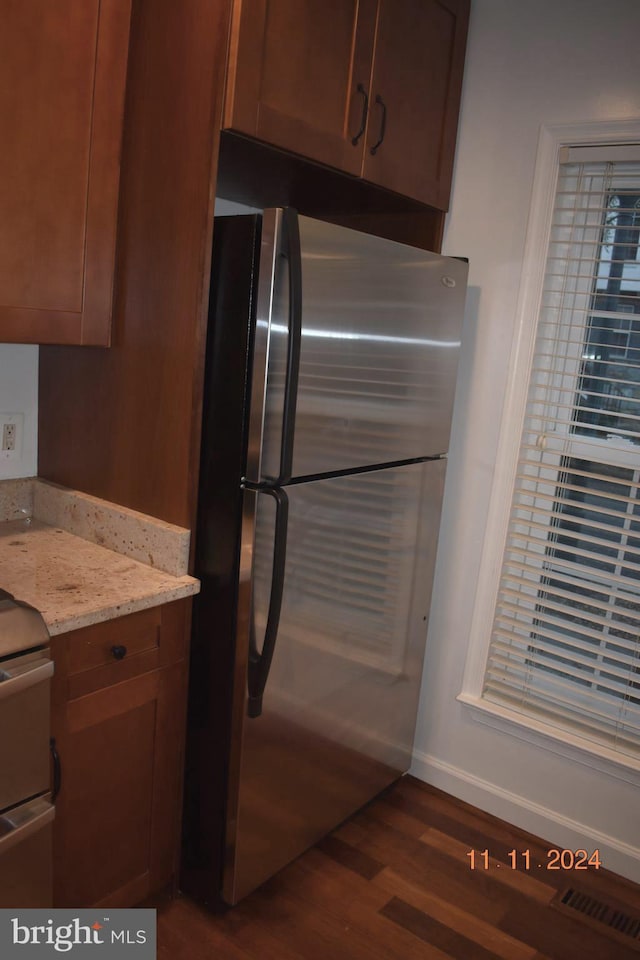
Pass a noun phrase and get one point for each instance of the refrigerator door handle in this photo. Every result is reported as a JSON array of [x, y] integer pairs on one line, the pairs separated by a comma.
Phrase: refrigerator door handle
[[291, 250], [260, 661], [280, 242]]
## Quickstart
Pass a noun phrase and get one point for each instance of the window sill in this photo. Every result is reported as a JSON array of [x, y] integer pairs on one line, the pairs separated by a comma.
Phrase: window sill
[[565, 744]]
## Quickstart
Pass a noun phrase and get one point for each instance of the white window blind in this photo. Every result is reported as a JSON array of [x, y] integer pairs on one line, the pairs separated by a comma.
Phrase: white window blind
[[565, 645]]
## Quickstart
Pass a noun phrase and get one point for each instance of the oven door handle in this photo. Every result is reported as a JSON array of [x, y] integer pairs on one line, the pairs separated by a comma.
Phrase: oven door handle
[[22, 681], [24, 821]]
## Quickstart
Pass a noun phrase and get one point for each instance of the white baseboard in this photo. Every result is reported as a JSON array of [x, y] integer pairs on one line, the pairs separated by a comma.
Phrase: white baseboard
[[615, 854]]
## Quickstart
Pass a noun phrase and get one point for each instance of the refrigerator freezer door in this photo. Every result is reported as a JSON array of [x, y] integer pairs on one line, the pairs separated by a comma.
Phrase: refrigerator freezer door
[[340, 701], [378, 353]]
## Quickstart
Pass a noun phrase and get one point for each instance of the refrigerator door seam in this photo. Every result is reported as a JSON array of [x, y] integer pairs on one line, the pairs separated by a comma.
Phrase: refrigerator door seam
[[267, 485]]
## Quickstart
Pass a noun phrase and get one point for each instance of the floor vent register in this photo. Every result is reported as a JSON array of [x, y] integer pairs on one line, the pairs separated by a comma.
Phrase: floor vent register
[[601, 914]]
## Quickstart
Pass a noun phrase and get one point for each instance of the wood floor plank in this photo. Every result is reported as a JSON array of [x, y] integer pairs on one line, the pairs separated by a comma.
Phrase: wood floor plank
[[323, 881], [352, 858], [388, 813], [434, 933], [456, 917]]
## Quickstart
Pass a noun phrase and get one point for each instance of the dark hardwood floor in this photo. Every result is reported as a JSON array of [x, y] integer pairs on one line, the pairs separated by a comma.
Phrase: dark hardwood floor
[[394, 883]]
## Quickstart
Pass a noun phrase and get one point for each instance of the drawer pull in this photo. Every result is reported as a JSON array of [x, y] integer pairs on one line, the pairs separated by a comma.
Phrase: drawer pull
[[119, 652]]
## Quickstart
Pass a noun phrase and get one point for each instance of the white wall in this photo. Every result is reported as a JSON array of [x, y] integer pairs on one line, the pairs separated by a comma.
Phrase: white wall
[[19, 394], [229, 208], [552, 61]]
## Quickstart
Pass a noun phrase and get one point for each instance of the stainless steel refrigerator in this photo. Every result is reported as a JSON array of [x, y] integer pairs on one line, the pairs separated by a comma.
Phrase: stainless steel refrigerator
[[330, 378]]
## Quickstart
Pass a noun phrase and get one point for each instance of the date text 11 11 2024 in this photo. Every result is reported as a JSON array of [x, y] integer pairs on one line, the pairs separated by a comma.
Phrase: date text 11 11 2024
[[556, 859]]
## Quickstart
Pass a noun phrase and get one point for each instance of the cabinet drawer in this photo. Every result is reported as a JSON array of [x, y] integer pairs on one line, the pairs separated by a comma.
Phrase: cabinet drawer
[[113, 651]]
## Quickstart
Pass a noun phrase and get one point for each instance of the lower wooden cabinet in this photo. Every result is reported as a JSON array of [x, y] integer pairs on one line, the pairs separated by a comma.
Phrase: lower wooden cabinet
[[118, 725]]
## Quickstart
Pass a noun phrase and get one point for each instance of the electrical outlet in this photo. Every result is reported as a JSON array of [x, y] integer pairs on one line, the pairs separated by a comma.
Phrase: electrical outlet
[[11, 425], [9, 436]]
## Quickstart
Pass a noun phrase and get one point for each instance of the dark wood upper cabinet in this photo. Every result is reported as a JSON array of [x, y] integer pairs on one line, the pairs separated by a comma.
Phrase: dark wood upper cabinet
[[62, 84], [302, 72], [299, 75]]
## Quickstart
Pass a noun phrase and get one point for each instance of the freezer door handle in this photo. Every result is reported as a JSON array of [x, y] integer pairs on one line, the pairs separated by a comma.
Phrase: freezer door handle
[[280, 243], [260, 660], [291, 250]]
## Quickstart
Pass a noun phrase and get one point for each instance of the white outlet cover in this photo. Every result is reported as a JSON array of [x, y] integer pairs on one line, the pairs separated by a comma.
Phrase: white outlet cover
[[17, 419]]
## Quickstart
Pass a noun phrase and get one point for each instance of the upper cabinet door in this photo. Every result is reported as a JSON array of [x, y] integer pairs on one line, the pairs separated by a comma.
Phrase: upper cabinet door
[[415, 96], [299, 75], [62, 83]]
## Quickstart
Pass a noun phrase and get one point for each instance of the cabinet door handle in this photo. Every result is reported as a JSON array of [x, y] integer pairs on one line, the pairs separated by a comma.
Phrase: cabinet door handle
[[365, 111], [383, 125], [57, 769], [119, 652]]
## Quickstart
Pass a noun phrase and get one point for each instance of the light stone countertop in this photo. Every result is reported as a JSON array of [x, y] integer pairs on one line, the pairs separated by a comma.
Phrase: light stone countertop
[[62, 567]]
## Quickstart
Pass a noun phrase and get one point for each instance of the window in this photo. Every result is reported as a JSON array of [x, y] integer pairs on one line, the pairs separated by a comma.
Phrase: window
[[565, 645]]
